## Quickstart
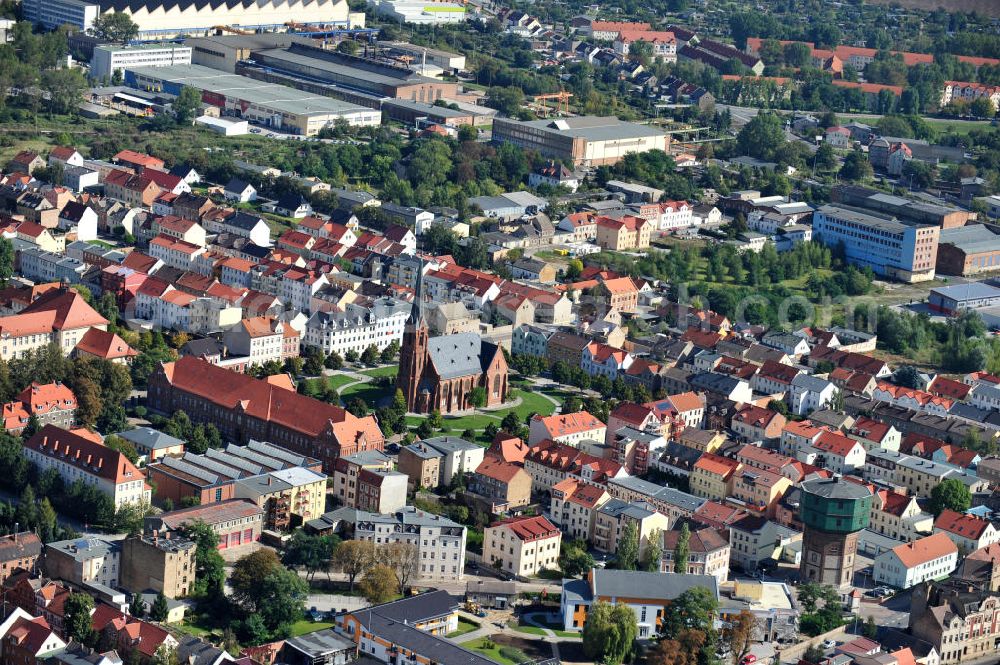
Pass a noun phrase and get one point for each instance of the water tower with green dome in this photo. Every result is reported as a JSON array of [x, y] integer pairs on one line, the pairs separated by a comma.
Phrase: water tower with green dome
[[834, 511]]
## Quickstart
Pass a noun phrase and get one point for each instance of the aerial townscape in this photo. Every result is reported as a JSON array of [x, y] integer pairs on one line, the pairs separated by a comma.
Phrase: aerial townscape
[[499, 332]]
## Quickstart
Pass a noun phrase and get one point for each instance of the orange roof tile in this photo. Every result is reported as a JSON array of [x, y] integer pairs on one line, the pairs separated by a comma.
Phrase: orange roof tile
[[925, 550]]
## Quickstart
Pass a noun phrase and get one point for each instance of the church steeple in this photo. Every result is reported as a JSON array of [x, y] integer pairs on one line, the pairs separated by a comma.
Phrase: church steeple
[[416, 309], [413, 354]]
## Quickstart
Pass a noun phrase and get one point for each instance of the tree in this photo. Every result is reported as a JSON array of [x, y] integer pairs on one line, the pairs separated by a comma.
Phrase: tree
[[825, 158], [982, 107], [856, 168], [507, 99], [814, 654], [694, 609], [370, 355], [402, 559], [333, 361], [65, 87], [682, 551], [210, 568], [628, 548], [739, 634], [609, 633], [76, 618], [574, 560], [123, 446], [310, 552], [477, 397], [949, 494], [908, 376], [165, 655], [654, 552], [248, 575], [187, 105], [354, 557], [379, 584], [159, 609], [762, 137], [6, 260], [870, 629], [115, 27], [137, 607], [348, 46], [47, 524], [280, 600]]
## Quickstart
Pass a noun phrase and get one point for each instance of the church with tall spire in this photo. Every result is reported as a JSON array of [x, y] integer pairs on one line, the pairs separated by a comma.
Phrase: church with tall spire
[[441, 372]]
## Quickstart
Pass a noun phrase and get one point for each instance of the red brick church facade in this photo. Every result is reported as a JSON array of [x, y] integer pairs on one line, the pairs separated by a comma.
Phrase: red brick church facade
[[440, 372]]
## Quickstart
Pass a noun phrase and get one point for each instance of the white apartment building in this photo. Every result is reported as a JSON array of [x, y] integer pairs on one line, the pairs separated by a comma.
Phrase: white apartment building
[[676, 215], [297, 286], [261, 339], [808, 393], [458, 456], [84, 561], [358, 327], [441, 542], [39, 325], [910, 564], [108, 59], [174, 252], [41, 266], [75, 457], [529, 340], [522, 546]]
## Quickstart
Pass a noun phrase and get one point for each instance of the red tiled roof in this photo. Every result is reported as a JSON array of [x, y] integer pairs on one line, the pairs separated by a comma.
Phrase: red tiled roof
[[85, 455], [836, 443], [566, 424], [716, 465], [265, 401], [106, 345], [529, 529], [925, 550], [138, 158], [497, 469], [961, 524]]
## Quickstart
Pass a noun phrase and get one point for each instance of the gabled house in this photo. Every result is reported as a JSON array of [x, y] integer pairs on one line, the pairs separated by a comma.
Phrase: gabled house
[[239, 191]]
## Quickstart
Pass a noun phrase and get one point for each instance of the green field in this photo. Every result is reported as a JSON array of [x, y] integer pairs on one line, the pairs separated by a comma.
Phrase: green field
[[339, 380], [493, 654], [388, 370], [305, 626], [464, 626]]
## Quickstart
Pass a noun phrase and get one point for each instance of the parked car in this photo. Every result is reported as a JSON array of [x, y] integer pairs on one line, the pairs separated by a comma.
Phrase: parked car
[[748, 659], [829, 644]]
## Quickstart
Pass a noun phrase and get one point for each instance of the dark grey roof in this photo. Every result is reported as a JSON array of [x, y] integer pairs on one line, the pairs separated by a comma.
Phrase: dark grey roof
[[407, 637], [77, 654], [73, 211], [417, 609], [243, 220], [320, 643], [84, 549], [147, 438], [654, 586], [450, 444], [835, 488], [236, 185], [460, 354], [712, 382], [202, 347], [193, 651], [497, 587]]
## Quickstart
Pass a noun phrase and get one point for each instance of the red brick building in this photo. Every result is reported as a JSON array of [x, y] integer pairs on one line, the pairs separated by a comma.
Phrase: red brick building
[[245, 408], [440, 372]]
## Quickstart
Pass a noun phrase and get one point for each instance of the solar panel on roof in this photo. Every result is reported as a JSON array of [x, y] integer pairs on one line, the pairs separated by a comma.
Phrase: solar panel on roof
[[213, 465], [274, 451], [233, 460], [190, 469]]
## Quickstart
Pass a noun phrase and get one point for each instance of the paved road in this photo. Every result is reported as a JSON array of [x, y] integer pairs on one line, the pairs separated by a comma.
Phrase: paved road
[[743, 114]]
